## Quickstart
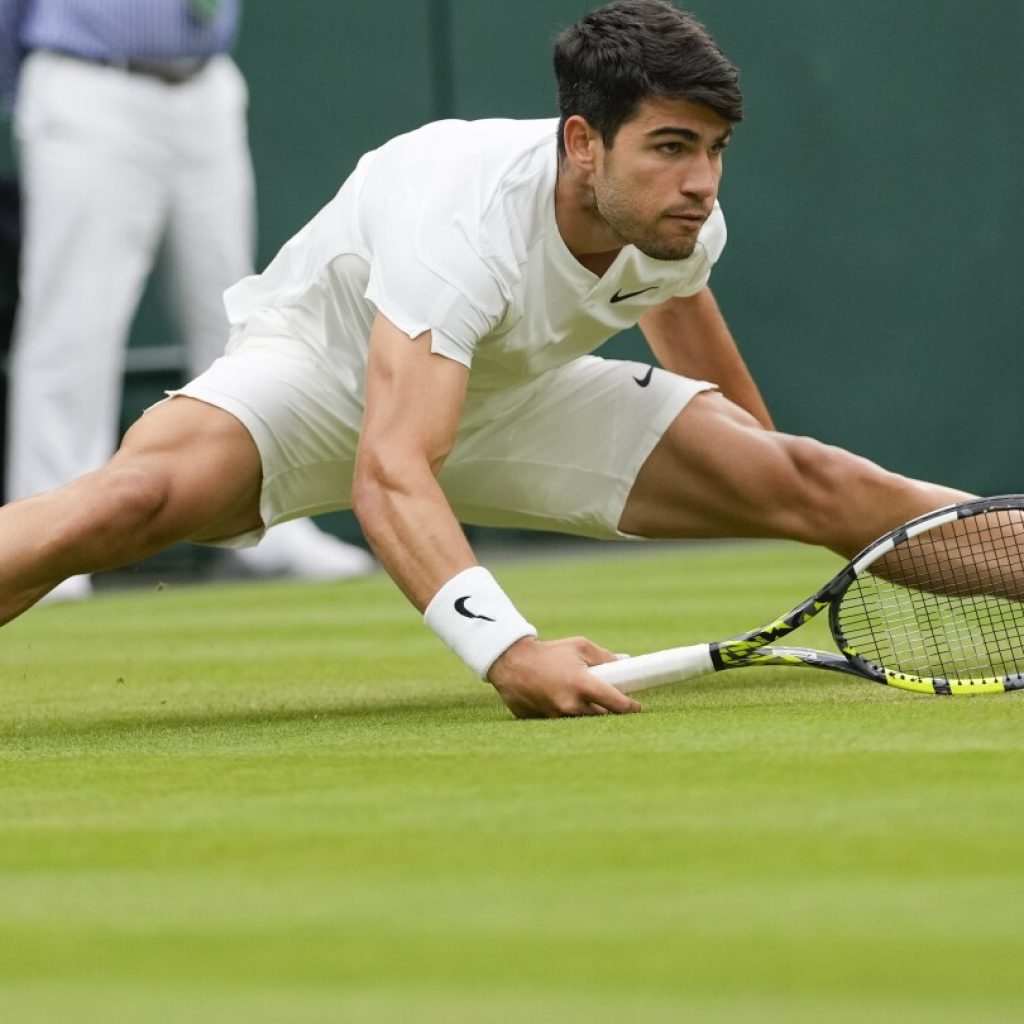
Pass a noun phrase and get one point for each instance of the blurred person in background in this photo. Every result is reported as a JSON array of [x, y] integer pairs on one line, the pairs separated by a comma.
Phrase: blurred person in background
[[130, 121]]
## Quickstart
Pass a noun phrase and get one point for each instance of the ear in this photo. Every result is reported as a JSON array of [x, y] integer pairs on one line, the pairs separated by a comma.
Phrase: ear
[[581, 142]]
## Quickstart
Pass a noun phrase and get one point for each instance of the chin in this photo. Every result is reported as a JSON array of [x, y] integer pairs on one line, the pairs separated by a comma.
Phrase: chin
[[668, 253]]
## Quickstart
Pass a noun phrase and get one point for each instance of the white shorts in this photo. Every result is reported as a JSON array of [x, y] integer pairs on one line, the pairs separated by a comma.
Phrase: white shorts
[[559, 452]]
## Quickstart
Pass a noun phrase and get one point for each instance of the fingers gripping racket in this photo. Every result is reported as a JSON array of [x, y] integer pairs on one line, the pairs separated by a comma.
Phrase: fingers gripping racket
[[936, 606]]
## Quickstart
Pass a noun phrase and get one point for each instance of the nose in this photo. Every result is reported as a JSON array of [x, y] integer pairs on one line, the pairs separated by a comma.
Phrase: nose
[[701, 178]]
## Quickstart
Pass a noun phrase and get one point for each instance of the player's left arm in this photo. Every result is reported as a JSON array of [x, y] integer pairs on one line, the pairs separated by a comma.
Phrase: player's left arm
[[689, 336]]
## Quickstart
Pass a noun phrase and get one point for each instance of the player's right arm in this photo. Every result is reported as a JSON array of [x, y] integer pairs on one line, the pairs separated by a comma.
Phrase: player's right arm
[[414, 401]]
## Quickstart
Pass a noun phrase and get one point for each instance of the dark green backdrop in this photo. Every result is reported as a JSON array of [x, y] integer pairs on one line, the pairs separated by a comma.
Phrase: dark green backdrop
[[872, 195]]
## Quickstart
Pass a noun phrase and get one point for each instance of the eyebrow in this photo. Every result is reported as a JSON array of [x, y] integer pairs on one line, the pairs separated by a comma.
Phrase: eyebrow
[[687, 133]]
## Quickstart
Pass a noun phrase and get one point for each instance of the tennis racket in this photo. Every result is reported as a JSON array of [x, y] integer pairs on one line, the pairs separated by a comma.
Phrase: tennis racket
[[935, 606]]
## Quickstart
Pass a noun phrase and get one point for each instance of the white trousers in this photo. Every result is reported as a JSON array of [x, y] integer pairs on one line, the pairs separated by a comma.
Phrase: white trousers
[[116, 169]]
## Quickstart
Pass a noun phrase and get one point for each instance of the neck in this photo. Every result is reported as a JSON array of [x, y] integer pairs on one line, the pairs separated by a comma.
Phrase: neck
[[585, 233]]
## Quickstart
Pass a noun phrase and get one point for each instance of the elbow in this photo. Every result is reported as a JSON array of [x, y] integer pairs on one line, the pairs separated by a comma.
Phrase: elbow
[[368, 496], [381, 488], [388, 484]]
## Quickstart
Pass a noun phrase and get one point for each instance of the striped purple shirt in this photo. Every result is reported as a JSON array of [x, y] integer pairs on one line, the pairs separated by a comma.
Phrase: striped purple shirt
[[109, 30]]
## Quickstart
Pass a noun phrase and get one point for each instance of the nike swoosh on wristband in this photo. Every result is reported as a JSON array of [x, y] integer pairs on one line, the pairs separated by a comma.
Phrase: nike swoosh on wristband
[[622, 296], [460, 607], [646, 378]]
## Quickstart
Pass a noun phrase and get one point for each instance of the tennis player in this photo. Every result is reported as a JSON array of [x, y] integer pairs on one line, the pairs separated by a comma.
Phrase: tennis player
[[420, 352]]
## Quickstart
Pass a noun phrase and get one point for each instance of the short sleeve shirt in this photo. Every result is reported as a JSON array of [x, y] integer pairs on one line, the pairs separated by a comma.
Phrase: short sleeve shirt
[[451, 229]]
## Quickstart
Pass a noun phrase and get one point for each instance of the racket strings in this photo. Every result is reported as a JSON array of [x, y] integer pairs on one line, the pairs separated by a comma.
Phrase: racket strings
[[948, 603]]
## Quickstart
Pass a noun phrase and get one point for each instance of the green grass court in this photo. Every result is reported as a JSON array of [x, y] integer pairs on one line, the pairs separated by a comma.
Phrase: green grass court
[[264, 803]]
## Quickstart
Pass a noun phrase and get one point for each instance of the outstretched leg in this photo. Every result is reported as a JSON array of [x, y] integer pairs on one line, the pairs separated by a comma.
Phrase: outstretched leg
[[717, 473], [185, 471]]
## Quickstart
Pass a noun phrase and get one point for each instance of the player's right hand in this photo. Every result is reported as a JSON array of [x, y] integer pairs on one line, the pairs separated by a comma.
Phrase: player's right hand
[[549, 679]]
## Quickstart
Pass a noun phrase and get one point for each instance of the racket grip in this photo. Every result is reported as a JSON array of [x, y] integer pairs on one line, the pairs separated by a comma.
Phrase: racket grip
[[656, 669]]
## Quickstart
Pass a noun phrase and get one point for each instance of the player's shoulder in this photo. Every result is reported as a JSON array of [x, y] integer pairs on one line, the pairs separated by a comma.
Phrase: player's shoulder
[[480, 187], [461, 157], [490, 136]]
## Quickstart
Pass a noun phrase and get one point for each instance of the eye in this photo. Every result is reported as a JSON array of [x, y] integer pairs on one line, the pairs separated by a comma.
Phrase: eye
[[670, 148], [720, 147]]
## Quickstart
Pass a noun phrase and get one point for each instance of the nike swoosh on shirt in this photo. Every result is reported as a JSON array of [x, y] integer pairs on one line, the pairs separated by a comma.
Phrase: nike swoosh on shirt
[[646, 378], [622, 296]]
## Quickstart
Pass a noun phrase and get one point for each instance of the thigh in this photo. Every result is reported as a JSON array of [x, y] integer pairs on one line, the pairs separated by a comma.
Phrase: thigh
[[561, 452], [203, 463], [303, 421], [716, 472]]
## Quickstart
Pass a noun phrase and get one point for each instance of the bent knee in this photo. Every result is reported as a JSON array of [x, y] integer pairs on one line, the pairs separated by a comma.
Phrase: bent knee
[[107, 518], [121, 502]]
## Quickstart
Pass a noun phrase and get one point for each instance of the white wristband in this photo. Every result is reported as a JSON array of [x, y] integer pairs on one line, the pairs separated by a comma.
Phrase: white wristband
[[475, 618]]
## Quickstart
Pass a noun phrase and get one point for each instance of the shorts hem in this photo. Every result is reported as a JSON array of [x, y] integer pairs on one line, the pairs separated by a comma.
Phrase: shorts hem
[[656, 430]]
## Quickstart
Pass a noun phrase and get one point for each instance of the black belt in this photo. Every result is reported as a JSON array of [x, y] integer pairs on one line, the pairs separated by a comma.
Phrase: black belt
[[171, 71]]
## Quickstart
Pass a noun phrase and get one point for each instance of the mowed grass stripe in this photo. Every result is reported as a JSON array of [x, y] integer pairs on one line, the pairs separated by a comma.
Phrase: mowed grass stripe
[[289, 802]]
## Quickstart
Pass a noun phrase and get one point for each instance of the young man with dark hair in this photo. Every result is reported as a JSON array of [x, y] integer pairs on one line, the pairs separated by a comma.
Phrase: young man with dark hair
[[420, 352]]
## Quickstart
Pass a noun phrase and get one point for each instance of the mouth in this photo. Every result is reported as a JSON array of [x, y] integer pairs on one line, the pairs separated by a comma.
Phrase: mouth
[[688, 218]]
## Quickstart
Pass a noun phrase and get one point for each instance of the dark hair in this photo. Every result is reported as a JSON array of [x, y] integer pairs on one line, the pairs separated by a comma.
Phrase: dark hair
[[619, 55]]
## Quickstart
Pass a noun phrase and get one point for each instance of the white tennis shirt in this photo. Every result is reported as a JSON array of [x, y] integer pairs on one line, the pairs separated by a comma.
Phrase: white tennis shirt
[[451, 228]]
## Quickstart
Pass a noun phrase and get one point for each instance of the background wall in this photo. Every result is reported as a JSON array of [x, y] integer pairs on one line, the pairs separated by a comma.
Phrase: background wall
[[872, 194]]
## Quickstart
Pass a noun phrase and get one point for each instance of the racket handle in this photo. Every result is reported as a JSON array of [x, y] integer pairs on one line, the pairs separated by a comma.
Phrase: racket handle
[[656, 669]]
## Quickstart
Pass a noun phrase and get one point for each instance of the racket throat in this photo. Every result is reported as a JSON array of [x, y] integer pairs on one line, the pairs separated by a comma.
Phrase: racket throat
[[715, 653]]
